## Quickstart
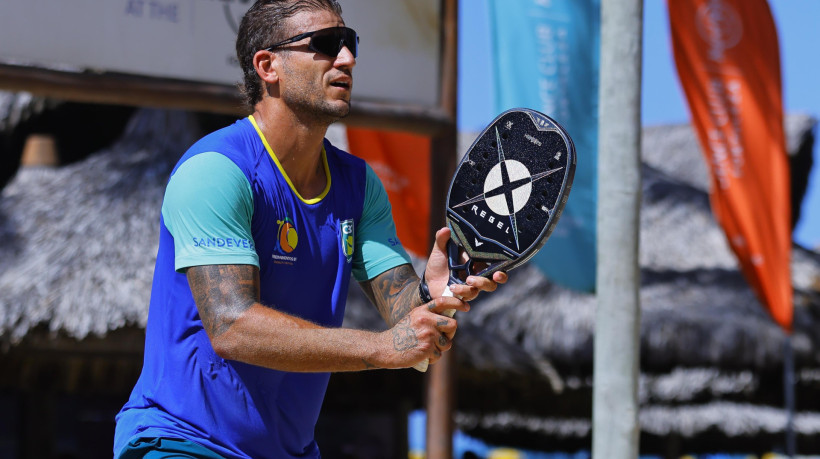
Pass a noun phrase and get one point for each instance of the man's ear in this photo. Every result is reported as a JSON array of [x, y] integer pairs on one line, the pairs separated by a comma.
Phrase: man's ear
[[266, 65]]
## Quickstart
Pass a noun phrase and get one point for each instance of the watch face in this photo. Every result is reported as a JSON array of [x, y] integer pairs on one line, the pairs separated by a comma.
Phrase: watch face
[[510, 187]]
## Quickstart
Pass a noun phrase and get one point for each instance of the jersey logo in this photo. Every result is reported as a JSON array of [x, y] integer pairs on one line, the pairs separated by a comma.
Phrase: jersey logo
[[288, 237], [346, 233]]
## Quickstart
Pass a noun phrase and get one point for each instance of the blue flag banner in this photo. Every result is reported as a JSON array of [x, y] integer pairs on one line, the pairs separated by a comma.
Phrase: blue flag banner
[[546, 58]]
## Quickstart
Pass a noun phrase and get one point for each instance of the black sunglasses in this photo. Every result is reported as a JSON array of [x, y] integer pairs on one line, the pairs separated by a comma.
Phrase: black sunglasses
[[326, 41]]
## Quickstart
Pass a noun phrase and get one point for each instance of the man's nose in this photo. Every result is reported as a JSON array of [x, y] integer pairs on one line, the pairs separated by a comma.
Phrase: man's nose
[[345, 57]]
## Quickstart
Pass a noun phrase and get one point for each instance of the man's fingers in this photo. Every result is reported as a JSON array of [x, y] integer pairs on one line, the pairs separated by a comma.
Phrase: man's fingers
[[441, 344], [441, 304], [434, 332], [464, 291], [447, 326], [435, 357], [478, 284], [442, 236], [487, 285], [482, 283]]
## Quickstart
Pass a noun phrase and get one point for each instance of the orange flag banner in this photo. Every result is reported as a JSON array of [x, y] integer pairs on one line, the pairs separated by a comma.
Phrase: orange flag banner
[[728, 61], [402, 162]]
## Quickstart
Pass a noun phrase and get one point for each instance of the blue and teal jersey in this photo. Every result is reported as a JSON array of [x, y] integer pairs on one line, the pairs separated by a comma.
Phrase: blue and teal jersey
[[229, 201]]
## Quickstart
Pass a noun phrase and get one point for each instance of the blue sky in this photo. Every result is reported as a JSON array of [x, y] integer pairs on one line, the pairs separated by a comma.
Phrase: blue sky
[[798, 23]]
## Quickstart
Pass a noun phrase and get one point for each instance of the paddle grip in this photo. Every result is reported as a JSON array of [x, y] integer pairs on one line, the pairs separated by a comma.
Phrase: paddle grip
[[422, 366]]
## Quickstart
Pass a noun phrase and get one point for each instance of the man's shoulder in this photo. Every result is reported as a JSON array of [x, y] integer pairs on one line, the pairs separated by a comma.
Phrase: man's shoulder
[[239, 135], [236, 141]]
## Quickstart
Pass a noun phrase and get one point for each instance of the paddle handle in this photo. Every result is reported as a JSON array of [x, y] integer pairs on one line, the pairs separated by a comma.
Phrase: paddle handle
[[422, 366]]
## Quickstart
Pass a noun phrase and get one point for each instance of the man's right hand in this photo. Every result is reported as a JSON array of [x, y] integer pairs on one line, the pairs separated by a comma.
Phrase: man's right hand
[[424, 333]]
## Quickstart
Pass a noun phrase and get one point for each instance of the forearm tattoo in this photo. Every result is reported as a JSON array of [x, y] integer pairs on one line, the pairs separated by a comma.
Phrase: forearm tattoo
[[395, 293], [222, 293]]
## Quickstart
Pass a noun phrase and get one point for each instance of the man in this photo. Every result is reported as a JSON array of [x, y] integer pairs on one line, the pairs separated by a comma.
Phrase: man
[[263, 222]]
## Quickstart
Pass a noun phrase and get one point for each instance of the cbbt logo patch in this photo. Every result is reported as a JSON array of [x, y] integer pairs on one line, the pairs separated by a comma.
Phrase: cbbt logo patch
[[346, 233]]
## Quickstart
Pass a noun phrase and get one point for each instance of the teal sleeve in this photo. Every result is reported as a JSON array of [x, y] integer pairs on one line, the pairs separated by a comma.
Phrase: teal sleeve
[[377, 246], [208, 207]]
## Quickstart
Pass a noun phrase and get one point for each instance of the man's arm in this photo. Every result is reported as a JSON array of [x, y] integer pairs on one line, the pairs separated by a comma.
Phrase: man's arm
[[241, 328], [395, 292]]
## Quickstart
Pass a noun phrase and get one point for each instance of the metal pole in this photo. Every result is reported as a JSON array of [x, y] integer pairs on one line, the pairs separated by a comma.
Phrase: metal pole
[[615, 423]]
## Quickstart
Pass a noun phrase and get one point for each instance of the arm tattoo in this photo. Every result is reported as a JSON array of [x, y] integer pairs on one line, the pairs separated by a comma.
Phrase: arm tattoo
[[394, 292], [222, 293], [404, 337]]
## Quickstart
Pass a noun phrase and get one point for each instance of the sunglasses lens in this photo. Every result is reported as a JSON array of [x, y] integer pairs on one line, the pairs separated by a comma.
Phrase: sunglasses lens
[[351, 40], [331, 41]]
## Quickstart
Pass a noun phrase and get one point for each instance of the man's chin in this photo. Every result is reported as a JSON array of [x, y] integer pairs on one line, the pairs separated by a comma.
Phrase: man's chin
[[327, 112], [345, 109], [340, 110]]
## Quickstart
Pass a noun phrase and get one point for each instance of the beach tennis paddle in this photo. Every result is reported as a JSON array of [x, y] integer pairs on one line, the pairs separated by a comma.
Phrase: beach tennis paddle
[[506, 195]]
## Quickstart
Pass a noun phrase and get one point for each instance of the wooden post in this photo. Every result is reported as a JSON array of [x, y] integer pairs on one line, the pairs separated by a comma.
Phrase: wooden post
[[440, 397], [40, 150]]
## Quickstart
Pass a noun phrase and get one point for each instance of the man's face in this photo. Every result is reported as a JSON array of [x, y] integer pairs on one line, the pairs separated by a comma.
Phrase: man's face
[[314, 85]]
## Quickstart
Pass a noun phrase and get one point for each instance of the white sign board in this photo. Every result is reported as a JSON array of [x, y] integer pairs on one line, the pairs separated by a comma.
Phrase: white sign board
[[194, 40]]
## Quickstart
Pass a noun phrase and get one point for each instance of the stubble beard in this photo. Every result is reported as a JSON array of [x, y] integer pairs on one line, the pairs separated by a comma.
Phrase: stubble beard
[[307, 101]]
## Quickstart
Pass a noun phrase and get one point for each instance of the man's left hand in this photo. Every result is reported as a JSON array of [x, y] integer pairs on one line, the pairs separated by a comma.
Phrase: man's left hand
[[437, 273]]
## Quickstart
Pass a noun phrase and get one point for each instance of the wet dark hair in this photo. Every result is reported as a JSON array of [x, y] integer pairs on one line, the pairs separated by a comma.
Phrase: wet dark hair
[[263, 25]]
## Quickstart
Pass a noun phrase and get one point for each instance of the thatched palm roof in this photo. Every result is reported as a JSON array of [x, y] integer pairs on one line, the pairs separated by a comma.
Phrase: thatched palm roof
[[17, 107], [78, 243]]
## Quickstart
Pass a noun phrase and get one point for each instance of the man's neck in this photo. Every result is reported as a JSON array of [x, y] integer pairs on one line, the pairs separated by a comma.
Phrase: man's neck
[[297, 146]]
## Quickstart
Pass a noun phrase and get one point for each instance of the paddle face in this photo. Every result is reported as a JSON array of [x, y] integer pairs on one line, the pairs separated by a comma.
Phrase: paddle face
[[508, 192], [507, 195]]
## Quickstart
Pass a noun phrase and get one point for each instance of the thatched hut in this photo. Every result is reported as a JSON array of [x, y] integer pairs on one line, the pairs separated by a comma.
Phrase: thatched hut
[[78, 242], [711, 357]]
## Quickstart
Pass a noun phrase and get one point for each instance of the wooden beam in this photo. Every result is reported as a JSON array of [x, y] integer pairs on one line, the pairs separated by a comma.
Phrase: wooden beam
[[124, 342], [430, 121], [122, 89]]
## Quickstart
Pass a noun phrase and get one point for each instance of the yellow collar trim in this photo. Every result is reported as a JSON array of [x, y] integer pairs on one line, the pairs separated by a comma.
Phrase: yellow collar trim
[[285, 175]]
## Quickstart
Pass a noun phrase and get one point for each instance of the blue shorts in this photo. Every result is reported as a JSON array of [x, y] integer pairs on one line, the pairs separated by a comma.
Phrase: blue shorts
[[157, 448]]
